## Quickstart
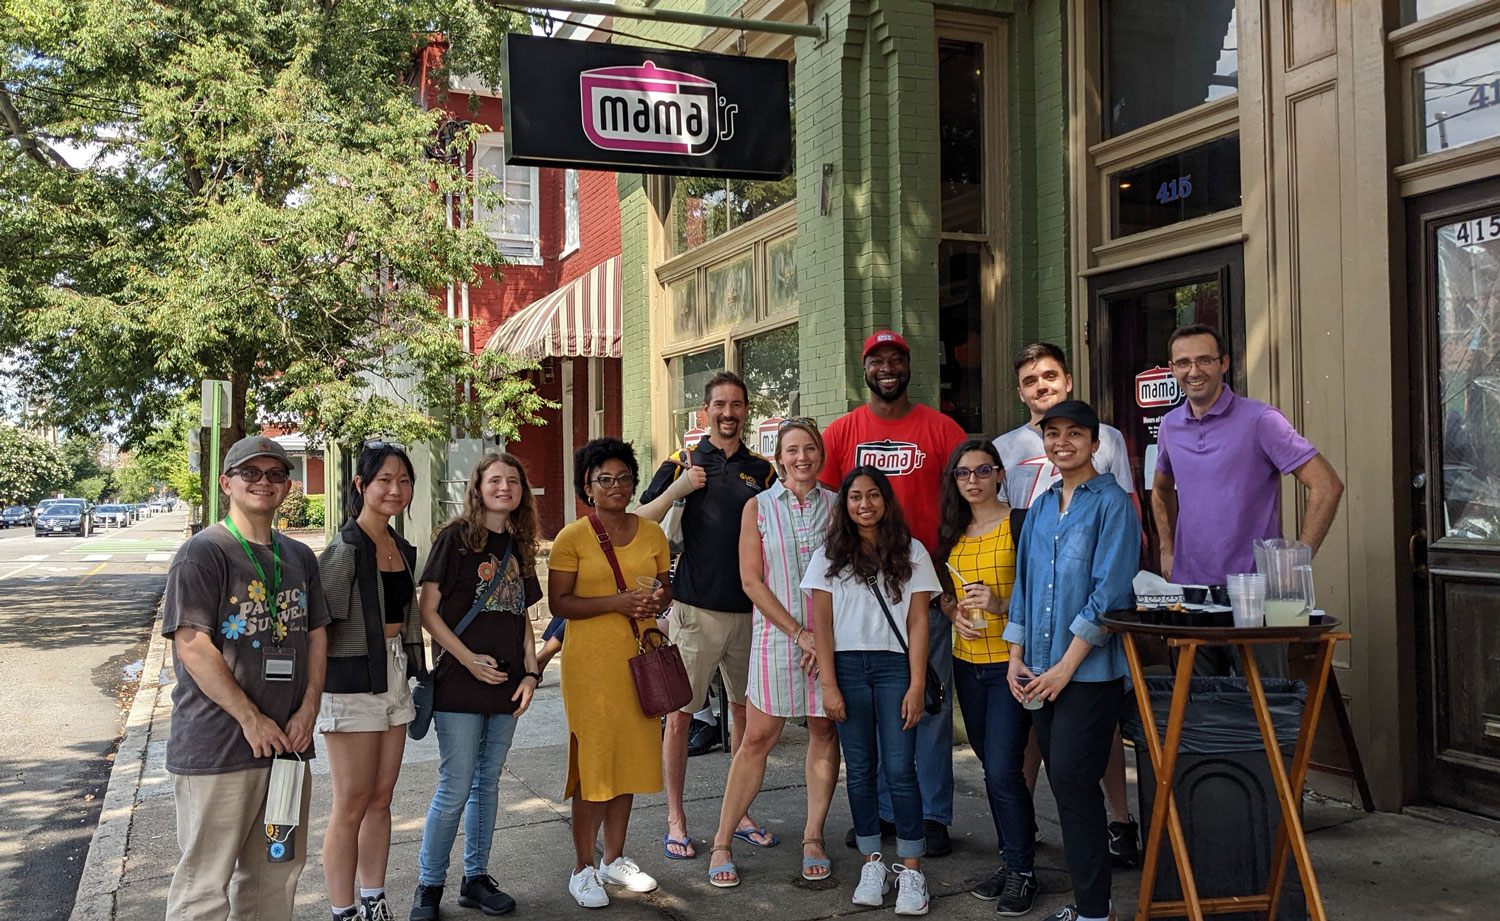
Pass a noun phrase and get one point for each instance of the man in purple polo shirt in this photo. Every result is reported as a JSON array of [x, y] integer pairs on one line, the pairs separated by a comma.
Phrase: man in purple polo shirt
[[1220, 458]]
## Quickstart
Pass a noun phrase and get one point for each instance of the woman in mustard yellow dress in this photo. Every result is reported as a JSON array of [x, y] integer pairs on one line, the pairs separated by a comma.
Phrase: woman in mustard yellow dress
[[614, 750]]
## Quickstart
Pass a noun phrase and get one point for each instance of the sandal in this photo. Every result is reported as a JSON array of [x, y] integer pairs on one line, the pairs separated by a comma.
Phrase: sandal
[[687, 842], [726, 867], [809, 863], [744, 835]]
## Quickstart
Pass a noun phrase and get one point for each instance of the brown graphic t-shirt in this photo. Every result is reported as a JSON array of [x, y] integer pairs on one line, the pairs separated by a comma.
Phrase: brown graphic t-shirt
[[212, 586], [498, 631]]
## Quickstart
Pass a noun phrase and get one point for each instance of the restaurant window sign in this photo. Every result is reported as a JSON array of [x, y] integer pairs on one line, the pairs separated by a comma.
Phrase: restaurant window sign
[[631, 109], [1193, 183]]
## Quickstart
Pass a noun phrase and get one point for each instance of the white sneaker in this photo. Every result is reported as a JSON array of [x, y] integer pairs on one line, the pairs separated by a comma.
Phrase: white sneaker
[[911, 891], [625, 872], [584, 887], [874, 882]]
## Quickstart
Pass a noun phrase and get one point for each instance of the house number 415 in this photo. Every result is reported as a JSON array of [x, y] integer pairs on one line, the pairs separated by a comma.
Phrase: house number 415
[[1175, 189]]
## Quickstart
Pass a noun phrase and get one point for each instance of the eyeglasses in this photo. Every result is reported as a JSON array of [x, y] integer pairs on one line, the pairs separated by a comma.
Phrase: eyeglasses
[[983, 472], [1203, 363], [377, 445], [605, 481], [798, 420], [253, 474]]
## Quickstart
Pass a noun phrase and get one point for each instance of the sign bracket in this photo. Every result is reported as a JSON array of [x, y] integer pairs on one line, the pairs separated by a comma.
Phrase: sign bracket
[[684, 17]]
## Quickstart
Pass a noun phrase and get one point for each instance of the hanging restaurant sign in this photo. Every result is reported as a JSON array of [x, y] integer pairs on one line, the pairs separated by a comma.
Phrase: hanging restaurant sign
[[596, 106]]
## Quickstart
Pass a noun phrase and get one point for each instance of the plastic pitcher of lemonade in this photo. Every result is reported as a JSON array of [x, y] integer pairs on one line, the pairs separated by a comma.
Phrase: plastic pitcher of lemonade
[[1287, 566]]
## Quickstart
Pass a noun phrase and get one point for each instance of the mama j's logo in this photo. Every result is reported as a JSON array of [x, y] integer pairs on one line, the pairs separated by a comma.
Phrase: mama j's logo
[[892, 458], [648, 109]]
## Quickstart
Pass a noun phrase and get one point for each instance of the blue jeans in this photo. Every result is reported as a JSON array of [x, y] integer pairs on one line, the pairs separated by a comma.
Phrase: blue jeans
[[471, 751], [874, 741], [934, 732], [998, 727]]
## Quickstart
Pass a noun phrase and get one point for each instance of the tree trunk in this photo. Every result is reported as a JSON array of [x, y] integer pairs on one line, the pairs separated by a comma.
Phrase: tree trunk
[[234, 414]]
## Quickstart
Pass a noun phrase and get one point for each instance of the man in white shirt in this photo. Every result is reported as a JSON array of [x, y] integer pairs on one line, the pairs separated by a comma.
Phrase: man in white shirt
[[1043, 381]]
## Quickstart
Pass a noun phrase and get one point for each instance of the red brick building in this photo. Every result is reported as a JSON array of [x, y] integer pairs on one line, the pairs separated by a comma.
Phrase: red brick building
[[558, 302]]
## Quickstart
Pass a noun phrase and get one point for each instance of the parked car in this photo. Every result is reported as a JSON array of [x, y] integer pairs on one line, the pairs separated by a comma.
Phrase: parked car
[[112, 516], [63, 516], [18, 515]]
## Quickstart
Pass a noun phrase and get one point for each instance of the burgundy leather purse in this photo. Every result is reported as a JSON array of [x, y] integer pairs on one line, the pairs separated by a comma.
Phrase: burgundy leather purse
[[661, 680]]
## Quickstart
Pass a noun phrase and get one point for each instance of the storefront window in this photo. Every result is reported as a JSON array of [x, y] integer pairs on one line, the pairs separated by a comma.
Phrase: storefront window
[[690, 374], [1412, 10], [1458, 100], [683, 297], [731, 292], [1198, 181], [1468, 356], [768, 363], [960, 321], [1166, 56], [961, 134], [781, 271]]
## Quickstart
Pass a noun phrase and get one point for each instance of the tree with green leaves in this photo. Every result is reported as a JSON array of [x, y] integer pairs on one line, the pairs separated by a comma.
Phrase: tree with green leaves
[[247, 190], [31, 467]]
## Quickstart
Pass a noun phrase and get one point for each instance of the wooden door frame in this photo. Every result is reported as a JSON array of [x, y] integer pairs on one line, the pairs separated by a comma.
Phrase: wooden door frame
[[1435, 770]]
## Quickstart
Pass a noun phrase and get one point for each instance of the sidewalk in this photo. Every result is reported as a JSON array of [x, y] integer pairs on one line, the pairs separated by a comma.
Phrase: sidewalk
[[1369, 866]]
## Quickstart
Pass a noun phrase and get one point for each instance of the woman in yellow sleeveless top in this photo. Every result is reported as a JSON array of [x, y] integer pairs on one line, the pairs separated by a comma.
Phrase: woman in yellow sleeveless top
[[976, 561], [614, 750]]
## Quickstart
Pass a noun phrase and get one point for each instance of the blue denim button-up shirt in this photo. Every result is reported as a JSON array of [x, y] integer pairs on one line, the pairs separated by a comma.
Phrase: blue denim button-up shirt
[[1071, 569]]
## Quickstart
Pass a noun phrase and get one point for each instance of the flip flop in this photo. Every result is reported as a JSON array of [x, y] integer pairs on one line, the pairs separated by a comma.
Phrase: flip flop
[[725, 867], [809, 863], [744, 835], [685, 843]]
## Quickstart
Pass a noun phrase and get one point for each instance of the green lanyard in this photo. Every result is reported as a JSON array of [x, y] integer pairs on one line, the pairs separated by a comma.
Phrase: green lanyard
[[273, 586]]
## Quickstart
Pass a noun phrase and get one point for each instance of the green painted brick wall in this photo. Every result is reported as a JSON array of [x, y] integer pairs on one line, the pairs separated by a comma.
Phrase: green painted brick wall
[[865, 99]]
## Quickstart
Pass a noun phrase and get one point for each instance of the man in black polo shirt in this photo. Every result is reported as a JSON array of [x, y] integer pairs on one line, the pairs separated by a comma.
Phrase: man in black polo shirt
[[710, 612]]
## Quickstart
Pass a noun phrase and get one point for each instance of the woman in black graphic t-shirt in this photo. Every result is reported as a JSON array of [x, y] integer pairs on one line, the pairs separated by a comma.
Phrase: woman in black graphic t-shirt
[[484, 678]]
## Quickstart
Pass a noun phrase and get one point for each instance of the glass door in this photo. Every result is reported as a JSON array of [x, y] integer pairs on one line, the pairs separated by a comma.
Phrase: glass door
[[1132, 313], [1455, 540]]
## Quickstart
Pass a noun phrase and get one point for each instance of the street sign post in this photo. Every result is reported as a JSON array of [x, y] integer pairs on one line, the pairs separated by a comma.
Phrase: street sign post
[[215, 416]]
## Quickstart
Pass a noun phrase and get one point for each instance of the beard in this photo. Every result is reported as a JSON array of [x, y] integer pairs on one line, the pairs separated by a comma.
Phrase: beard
[[902, 382]]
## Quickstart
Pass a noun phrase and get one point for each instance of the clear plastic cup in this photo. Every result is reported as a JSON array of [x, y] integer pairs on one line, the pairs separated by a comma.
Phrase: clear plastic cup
[[975, 615], [1034, 703], [646, 585], [1247, 598]]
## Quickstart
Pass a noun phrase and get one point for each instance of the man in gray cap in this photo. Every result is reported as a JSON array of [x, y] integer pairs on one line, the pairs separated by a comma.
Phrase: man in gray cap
[[244, 609]]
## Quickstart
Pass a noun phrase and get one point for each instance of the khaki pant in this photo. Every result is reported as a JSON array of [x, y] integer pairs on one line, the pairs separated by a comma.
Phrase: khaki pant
[[709, 640], [221, 829]]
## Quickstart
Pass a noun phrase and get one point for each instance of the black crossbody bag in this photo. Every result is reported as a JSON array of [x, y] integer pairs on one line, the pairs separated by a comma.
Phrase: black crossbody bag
[[932, 696]]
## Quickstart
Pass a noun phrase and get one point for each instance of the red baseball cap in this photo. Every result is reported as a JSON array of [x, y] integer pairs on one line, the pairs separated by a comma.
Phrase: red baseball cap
[[884, 337]]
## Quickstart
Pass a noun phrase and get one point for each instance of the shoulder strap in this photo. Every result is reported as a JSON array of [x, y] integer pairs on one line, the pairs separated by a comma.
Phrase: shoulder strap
[[489, 591], [886, 610], [607, 546], [1017, 518]]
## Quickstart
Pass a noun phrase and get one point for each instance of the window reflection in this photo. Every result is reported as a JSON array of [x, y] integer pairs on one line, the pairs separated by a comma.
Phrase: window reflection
[[961, 134], [1468, 352], [1166, 56], [1459, 99]]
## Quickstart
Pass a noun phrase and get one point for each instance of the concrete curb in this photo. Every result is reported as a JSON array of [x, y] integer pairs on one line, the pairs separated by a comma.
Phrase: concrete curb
[[104, 868]]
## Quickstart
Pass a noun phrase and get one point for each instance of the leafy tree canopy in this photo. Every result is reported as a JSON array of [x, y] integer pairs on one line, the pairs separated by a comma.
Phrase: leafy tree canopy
[[31, 467], [244, 189]]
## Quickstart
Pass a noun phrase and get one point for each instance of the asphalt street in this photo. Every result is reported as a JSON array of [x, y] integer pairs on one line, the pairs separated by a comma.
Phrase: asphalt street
[[74, 618]]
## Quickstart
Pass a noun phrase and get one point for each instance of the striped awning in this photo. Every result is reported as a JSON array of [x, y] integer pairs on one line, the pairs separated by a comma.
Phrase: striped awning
[[579, 320]]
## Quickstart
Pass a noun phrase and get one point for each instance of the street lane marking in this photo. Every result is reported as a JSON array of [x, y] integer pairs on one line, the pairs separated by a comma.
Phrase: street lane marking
[[15, 572], [33, 558], [158, 557], [93, 571], [97, 557]]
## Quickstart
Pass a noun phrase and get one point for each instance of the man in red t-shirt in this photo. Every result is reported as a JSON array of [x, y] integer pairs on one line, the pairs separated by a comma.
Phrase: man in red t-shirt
[[910, 443]]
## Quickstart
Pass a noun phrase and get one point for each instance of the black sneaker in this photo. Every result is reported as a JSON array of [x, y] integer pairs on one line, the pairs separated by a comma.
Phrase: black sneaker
[[1070, 913], [424, 904], [887, 829], [1019, 895], [990, 889], [1124, 842], [349, 914], [481, 892], [376, 909], [938, 844], [703, 737]]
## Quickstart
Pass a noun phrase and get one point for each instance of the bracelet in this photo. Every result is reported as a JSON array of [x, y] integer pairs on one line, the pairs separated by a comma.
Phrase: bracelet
[[536, 675]]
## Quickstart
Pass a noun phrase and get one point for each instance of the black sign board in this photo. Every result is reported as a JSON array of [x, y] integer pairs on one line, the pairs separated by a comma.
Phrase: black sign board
[[596, 106]]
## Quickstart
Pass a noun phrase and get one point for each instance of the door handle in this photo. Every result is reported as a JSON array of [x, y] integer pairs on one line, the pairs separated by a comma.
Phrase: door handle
[[1416, 551]]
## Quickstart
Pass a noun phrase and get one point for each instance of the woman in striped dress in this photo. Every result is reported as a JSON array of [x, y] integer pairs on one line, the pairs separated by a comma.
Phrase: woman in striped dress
[[779, 531]]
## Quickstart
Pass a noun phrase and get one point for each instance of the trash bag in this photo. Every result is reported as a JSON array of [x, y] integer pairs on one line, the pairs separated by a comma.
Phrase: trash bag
[[1220, 715]]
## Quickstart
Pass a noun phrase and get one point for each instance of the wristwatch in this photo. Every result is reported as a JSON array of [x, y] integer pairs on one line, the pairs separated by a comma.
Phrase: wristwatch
[[536, 675]]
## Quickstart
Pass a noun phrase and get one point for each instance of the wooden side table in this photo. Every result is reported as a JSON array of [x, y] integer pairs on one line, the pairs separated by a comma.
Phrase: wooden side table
[[1163, 754]]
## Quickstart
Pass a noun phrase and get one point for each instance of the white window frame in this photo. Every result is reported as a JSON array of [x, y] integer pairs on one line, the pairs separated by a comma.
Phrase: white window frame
[[571, 215], [520, 248]]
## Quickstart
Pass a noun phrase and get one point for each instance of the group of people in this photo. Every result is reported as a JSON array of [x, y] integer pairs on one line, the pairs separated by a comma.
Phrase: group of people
[[886, 564]]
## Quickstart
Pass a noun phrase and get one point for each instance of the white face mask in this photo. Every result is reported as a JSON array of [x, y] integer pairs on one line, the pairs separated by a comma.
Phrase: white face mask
[[284, 794]]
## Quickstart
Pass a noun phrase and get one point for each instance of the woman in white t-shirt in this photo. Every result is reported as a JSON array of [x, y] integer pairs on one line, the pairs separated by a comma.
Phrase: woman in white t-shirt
[[870, 583]]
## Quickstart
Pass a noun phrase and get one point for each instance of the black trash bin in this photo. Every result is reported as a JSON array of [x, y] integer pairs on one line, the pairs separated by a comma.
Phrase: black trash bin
[[1224, 791]]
